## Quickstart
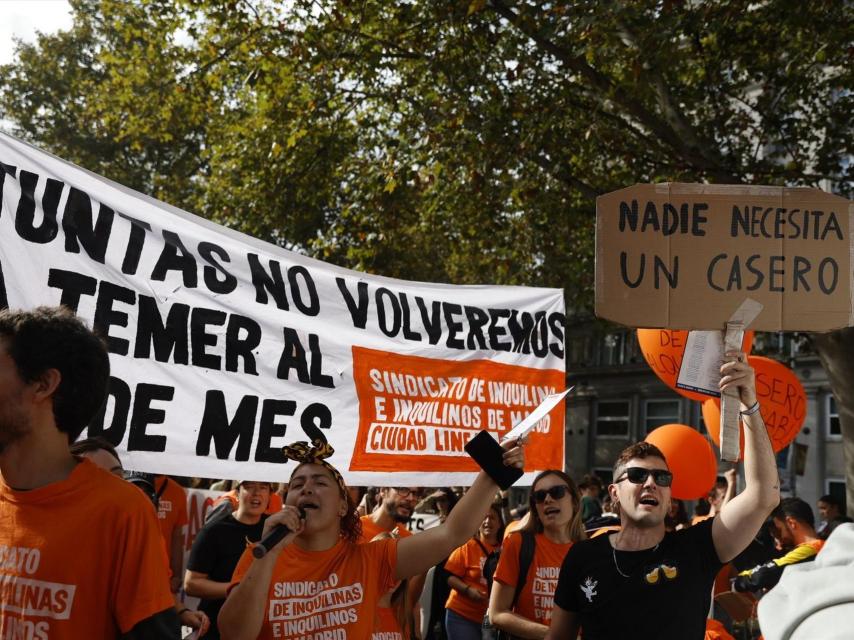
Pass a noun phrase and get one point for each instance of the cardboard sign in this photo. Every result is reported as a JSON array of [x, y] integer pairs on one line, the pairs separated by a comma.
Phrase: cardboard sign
[[683, 256], [224, 348]]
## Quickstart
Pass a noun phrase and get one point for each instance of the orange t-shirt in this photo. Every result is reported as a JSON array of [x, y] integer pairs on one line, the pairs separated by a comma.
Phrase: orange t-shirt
[[536, 599], [335, 591], [387, 627], [273, 506], [466, 563], [370, 529], [80, 558], [171, 507]]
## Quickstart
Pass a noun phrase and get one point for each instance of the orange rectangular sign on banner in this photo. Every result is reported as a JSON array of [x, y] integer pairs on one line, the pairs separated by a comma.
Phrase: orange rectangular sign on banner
[[416, 414]]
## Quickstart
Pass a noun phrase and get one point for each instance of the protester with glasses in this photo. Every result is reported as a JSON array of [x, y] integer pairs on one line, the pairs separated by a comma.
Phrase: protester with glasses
[[644, 582], [393, 513], [523, 606]]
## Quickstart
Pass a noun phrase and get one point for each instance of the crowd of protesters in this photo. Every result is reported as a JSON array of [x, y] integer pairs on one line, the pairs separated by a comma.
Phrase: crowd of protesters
[[86, 554]]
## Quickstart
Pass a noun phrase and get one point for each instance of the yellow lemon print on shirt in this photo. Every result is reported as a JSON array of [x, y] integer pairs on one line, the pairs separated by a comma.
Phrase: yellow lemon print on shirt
[[652, 576], [670, 572]]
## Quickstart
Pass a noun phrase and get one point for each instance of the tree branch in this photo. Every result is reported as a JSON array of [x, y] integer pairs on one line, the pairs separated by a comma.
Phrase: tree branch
[[608, 90]]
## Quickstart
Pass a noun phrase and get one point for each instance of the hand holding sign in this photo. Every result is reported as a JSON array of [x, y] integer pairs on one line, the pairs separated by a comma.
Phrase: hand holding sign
[[665, 351], [504, 462], [782, 401]]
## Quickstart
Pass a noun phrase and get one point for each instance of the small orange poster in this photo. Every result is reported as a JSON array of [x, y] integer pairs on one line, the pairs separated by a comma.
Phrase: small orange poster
[[417, 414]]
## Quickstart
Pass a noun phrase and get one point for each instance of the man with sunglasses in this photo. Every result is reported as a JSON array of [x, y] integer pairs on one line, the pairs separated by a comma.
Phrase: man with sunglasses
[[642, 582]]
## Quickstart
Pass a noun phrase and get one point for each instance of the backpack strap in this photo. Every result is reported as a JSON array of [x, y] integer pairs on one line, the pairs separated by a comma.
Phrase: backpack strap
[[526, 557], [161, 490], [481, 545]]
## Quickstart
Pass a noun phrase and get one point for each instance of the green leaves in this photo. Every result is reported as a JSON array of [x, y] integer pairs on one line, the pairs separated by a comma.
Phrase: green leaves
[[460, 141]]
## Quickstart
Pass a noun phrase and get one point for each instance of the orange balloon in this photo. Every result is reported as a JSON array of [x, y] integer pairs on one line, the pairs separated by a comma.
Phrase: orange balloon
[[690, 458], [782, 402], [663, 350]]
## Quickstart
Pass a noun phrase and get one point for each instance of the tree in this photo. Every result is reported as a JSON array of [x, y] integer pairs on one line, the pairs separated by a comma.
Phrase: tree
[[475, 134]]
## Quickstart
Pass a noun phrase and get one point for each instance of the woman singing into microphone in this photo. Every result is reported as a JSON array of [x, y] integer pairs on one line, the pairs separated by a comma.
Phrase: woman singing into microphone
[[318, 582]]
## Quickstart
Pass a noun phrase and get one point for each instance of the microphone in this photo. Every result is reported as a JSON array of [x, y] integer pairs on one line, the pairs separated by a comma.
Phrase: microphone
[[273, 538]]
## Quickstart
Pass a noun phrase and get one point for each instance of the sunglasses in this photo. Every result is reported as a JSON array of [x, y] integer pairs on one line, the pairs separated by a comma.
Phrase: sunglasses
[[638, 475], [556, 492]]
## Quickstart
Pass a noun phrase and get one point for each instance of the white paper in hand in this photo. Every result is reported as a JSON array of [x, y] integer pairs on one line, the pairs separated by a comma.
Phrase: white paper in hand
[[527, 425], [701, 363]]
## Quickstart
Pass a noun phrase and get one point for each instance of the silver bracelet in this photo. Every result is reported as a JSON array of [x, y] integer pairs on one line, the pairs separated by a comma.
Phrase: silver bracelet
[[751, 409]]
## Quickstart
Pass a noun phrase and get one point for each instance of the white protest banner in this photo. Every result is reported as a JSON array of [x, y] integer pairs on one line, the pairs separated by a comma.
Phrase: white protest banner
[[224, 348]]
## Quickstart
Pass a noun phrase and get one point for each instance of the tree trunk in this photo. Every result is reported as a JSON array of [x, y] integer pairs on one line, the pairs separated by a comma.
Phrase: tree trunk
[[836, 351]]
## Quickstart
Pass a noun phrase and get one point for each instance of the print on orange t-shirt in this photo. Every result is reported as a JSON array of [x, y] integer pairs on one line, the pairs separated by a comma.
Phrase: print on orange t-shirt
[[325, 594], [171, 507], [387, 627], [273, 506], [537, 597], [80, 558], [466, 562], [370, 529]]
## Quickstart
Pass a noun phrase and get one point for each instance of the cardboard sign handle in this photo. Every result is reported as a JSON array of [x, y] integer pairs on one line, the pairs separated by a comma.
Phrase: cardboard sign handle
[[730, 400]]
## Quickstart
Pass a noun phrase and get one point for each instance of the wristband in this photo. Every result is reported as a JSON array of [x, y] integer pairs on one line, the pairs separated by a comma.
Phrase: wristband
[[754, 408]]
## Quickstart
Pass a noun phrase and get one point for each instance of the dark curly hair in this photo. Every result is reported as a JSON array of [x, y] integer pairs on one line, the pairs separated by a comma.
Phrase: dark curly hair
[[794, 508], [55, 338], [351, 523]]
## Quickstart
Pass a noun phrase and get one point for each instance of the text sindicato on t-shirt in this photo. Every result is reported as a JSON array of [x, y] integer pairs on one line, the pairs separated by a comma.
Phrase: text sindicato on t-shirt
[[314, 610]]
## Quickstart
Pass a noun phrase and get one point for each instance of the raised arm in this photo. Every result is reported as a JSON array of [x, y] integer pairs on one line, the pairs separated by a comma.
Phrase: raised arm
[[731, 477], [740, 518], [418, 553]]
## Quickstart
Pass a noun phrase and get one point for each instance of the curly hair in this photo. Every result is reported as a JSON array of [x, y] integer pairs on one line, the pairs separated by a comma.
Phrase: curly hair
[[351, 523], [55, 338], [576, 528]]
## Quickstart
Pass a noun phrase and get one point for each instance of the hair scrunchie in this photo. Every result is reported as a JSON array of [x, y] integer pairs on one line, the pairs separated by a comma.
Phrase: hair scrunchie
[[314, 453]]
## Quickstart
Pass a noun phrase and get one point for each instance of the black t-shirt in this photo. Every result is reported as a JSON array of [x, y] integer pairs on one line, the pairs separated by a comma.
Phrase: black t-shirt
[[216, 551], [666, 595]]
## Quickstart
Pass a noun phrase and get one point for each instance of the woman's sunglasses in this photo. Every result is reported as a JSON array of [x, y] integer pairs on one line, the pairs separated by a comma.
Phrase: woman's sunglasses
[[556, 492], [638, 475]]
